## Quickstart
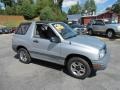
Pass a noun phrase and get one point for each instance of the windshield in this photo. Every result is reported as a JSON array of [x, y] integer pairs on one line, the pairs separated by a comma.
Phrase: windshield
[[64, 30]]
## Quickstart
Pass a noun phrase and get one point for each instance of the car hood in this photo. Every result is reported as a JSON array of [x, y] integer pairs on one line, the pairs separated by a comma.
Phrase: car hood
[[88, 41]]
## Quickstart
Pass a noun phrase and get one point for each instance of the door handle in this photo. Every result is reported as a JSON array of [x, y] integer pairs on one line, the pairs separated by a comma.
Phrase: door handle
[[35, 41]]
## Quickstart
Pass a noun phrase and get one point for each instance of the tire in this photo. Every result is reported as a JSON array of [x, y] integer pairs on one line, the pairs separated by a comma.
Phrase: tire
[[110, 34], [90, 32], [24, 56], [78, 68]]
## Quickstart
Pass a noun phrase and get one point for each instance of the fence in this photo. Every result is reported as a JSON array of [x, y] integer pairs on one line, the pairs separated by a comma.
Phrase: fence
[[9, 20]]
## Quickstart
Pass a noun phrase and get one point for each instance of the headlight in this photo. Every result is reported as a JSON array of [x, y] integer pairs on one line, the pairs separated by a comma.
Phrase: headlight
[[118, 28], [102, 53]]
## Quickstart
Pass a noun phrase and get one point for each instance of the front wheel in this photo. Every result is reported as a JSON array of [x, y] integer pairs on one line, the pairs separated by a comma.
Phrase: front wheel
[[90, 32], [110, 34], [24, 56], [78, 68]]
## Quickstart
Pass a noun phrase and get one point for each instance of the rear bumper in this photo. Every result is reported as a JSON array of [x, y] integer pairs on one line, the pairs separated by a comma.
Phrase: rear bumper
[[102, 63]]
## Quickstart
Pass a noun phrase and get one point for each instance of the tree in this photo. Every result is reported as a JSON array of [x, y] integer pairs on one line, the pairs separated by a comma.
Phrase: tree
[[75, 9], [86, 6], [93, 6], [60, 4], [28, 10], [116, 7], [109, 8], [47, 14], [90, 7], [118, 1], [40, 4], [20, 2], [45, 8], [8, 2], [50, 10], [60, 16]]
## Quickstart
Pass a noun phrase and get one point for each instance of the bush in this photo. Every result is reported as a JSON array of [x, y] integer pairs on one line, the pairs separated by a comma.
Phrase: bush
[[28, 10], [47, 14], [60, 16], [52, 14], [2, 12], [15, 10]]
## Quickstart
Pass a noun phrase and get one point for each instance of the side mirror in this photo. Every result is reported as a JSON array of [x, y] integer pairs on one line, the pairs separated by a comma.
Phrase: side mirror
[[55, 39]]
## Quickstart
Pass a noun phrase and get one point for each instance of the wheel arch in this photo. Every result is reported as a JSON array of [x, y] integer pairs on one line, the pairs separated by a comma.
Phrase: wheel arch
[[110, 29], [81, 56], [21, 46]]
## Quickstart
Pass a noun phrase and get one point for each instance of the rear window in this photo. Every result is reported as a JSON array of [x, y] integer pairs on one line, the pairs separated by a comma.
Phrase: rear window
[[22, 29]]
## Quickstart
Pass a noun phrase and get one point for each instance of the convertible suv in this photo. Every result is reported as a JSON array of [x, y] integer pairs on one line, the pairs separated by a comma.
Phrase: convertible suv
[[56, 42], [108, 28]]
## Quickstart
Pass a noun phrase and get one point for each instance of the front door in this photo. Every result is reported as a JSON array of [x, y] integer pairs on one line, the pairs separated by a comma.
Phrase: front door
[[43, 48], [99, 26]]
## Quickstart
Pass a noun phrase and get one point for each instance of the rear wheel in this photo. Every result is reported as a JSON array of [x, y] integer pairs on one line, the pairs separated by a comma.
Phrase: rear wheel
[[78, 68], [110, 34], [24, 56]]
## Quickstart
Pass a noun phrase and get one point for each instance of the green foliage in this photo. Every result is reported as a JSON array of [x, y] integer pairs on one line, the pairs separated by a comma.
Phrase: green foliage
[[60, 16], [118, 1], [60, 3], [8, 2], [90, 7], [51, 14], [87, 5], [46, 9], [41, 4], [50, 11], [116, 7], [19, 2], [9, 10], [15, 10], [28, 9], [75, 9], [47, 14]]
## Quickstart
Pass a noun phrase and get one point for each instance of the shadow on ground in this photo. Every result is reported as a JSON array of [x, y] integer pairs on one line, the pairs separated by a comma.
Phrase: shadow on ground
[[103, 36], [54, 66]]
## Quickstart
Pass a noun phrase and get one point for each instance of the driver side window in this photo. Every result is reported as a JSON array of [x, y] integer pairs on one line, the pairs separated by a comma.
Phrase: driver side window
[[99, 22], [44, 31]]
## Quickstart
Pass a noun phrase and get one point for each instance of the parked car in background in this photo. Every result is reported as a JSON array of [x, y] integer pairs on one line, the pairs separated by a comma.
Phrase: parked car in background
[[98, 26], [80, 29], [1, 31], [6, 31], [57, 43]]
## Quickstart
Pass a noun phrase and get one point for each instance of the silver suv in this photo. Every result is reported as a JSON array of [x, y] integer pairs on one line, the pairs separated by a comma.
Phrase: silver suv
[[109, 28], [57, 43]]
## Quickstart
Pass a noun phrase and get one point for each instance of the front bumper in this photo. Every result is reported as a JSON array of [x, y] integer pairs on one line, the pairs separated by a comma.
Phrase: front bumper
[[14, 47], [102, 63], [117, 33]]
